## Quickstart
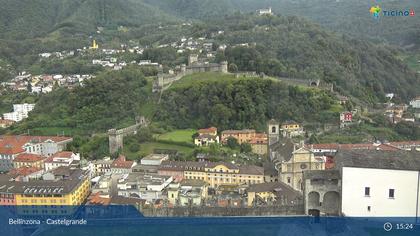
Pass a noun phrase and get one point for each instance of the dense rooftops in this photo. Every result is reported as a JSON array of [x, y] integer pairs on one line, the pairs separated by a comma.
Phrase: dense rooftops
[[28, 157], [10, 145], [55, 186]]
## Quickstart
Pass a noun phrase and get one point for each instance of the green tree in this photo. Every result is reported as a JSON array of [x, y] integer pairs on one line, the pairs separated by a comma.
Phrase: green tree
[[246, 148], [232, 143]]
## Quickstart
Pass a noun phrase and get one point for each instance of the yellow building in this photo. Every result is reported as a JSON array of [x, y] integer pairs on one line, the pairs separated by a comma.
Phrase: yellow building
[[303, 159], [242, 136], [188, 192], [52, 191], [272, 193], [290, 126], [259, 144], [217, 174], [28, 160], [94, 45]]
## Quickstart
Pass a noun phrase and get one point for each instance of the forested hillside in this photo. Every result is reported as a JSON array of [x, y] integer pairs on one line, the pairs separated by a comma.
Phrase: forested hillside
[[112, 99], [293, 47], [228, 103], [37, 18], [350, 17]]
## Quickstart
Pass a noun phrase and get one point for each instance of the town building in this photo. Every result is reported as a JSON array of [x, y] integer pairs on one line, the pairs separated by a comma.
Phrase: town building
[[102, 185], [366, 183], [154, 159], [342, 100], [68, 187], [331, 148], [122, 166], [206, 137], [63, 158], [214, 173], [262, 12], [242, 136], [302, 159], [291, 128], [101, 167], [379, 184], [415, 103], [189, 192], [346, 119], [28, 160], [273, 193], [20, 112], [148, 187], [259, 144], [271, 174], [25, 173], [11, 146], [5, 123]]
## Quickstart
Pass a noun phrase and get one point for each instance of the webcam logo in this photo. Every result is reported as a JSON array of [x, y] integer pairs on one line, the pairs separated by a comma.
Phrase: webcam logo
[[375, 11]]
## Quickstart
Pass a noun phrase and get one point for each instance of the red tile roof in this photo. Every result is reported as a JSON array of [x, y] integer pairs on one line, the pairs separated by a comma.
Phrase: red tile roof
[[24, 171], [28, 157], [6, 122], [96, 199], [243, 131], [63, 154], [121, 162], [393, 146], [207, 130]]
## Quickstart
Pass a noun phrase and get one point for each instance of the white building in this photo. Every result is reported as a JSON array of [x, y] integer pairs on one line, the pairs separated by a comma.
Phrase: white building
[[25, 107], [415, 103], [265, 12], [20, 112], [148, 187], [154, 159], [11, 146], [61, 159], [380, 183], [380, 192]]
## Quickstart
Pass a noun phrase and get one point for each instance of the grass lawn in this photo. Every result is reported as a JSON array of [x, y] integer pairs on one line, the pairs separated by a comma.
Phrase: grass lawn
[[188, 80], [182, 135], [412, 60], [148, 147], [67, 131]]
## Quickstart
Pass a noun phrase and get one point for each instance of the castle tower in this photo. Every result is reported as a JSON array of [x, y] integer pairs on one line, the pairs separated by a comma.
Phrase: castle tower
[[224, 67], [273, 132], [94, 45], [192, 58], [183, 68], [115, 139]]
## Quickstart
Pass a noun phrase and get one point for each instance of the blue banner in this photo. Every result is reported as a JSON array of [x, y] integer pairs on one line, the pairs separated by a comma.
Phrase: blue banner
[[128, 221]]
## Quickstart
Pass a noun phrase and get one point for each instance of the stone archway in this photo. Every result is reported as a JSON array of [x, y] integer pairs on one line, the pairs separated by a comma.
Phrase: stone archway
[[314, 83], [331, 203], [313, 200]]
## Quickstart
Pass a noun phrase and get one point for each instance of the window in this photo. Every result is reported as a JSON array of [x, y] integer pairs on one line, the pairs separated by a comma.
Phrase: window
[[288, 180], [367, 191], [273, 129], [391, 193], [368, 208]]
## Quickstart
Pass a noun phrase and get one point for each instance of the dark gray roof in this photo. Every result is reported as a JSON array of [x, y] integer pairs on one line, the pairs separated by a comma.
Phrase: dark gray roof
[[399, 160], [269, 168], [321, 174], [276, 187], [58, 186], [284, 148]]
